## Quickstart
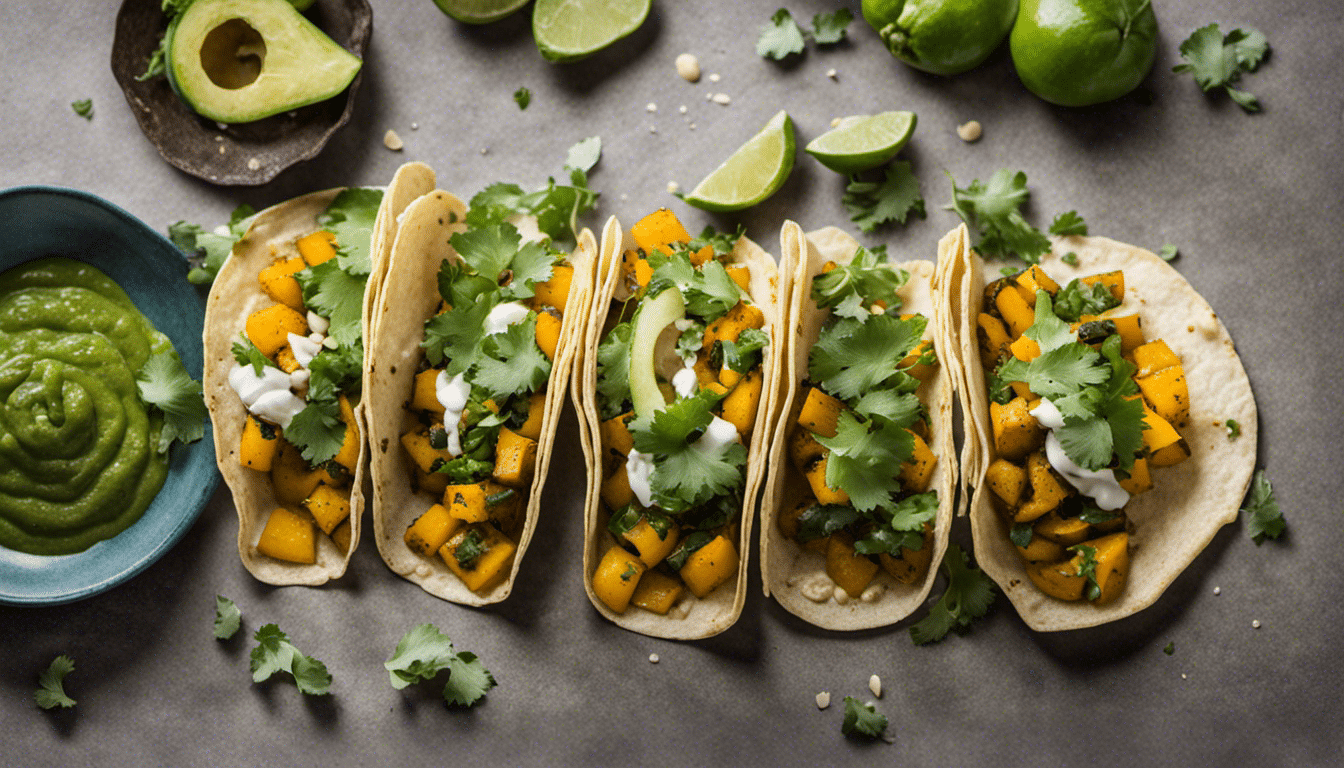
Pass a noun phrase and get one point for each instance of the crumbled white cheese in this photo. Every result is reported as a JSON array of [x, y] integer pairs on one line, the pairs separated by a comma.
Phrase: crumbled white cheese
[[653, 658], [823, 699], [722, 98]]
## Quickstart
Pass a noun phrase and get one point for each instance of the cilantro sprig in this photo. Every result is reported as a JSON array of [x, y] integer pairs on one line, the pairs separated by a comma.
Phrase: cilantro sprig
[[895, 198], [968, 596], [555, 206], [1264, 519], [228, 619], [424, 652], [51, 684], [275, 653], [163, 382], [1218, 61], [782, 36], [851, 289], [862, 719], [690, 473], [209, 250]]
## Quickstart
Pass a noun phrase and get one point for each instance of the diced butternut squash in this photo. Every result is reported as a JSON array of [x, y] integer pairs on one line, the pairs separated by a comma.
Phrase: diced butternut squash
[[348, 456], [804, 450], [259, 444], [1112, 570], [653, 547], [1047, 492], [1007, 480], [318, 247], [1060, 580], [434, 483], [820, 413], [787, 519], [548, 333], [658, 230], [1152, 357], [1016, 431], [515, 459], [1130, 328], [917, 471], [616, 434], [1167, 394], [555, 291], [727, 328], [329, 506], [739, 407], [616, 577], [479, 555], [536, 412], [643, 273], [616, 492], [1042, 550], [1025, 349], [288, 536], [291, 477], [710, 566], [1017, 314], [912, 564], [269, 328], [431, 530], [1139, 479], [1165, 445], [1034, 279], [422, 452], [816, 477], [341, 537], [286, 360], [993, 338], [1065, 531], [740, 274], [656, 592], [279, 283], [849, 570], [424, 395], [911, 364], [466, 502]]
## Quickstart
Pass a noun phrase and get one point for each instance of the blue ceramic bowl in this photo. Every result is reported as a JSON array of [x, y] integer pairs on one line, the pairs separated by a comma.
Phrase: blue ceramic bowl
[[50, 221]]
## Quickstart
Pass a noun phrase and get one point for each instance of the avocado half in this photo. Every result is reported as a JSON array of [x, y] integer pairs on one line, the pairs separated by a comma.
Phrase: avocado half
[[236, 61]]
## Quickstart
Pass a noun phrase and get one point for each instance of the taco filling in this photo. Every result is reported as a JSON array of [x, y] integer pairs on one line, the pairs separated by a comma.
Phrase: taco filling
[[679, 385]]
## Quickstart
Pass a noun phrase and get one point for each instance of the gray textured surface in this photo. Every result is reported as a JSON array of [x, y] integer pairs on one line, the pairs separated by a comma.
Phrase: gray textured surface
[[1252, 201]]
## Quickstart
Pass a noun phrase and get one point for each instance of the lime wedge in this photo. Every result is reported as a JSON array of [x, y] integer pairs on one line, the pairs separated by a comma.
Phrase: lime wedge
[[479, 11], [566, 30], [752, 173], [863, 142]]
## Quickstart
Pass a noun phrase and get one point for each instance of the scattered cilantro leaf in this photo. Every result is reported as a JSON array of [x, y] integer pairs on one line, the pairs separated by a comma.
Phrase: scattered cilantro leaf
[[317, 430], [862, 719], [992, 211], [350, 217], [227, 618], [829, 28], [780, 37], [511, 362], [1218, 61], [83, 108], [1233, 429], [865, 276], [862, 454], [455, 336], [468, 680], [246, 353], [51, 684], [895, 198], [1070, 258], [1069, 223], [423, 652], [584, 154], [1078, 298], [522, 97], [968, 597], [689, 473], [164, 383], [1087, 568], [709, 292], [1168, 252], [1170, 649], [613, 371], [208, 250], [274, 653], [1264, 518], [488, 250], [852, 357]]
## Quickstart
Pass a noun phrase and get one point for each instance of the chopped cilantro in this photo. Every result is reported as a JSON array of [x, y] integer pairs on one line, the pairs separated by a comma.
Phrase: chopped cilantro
[[1233, 429], [1020, 534], [722, 243], [992, 211], [1087, 568], [470, 549], [968, 596], [246, 353], [613, 371], [829, 28], [274, 653], [745, 353], [555, 206], [317, 430], [821, 520], [1078, 298], [865, 276], [689, 473], [852, 357], [903, 527], [511, 362], [464, 469], [164, 383], [1168, 252], [862, 454], [895, 198], [522, 97], [227, 618], [51, 684], [709, 292], [1070, 258], [83, 108], [780, 37], [862, 719], [208, 250], [1264, 518], [1069, 223], [583, 155], [455, 336], [688, 546], [1170, 649], [1218, 61], [423, 652], [337, 295]]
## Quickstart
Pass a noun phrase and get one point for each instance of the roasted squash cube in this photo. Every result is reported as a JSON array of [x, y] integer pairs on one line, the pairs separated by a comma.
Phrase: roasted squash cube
[[291, 477], [279, 283], [993, 338], [466, 502], [1007, 480], [547, 332], [739, 407], [1016, 431], [288, 536], [616, 577], [317, 247], [653, 547], [554, 292], [1047, 492], [912, 564], [850, 570], [820, 413], [1065, 531], [917, 471], [348, 456], [515, 459], [816, 477], [329, 506], [425, 394], [259, 444], [269, 328], [480, 556], [431, 530], [656, 592], [1060, 580], [536, 413], [1112, 569], [710, 566]]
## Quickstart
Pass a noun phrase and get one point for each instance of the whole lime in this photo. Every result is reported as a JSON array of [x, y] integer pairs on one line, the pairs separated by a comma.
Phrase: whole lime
[[944, 37], [1080, 52]]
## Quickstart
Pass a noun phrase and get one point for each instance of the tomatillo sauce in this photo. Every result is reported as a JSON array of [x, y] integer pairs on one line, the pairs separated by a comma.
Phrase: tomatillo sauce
[[78, 447]]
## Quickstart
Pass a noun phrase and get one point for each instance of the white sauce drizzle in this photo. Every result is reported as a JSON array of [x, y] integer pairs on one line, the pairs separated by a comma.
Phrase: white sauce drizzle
[[452, 394], [504, 315], [639, 472], [266, 396], [304, 348], [1100, 485], [685, 382]]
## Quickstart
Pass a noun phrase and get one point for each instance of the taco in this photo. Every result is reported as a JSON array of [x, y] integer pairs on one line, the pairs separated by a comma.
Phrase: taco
[[475, 334], [284, 329], [1098, 387], [674, 400], [858, 504]]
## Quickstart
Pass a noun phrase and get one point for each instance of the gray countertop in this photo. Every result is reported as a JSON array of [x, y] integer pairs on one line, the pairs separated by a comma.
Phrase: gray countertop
[[1251, 200]]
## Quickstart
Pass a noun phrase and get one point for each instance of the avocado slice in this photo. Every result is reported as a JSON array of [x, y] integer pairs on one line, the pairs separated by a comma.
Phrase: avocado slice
[[653, 316], [236, 61]]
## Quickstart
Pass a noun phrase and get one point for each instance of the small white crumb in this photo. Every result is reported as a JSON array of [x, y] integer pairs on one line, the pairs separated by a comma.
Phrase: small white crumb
[[415, 126], [624, 196], [253, 164], [688, 67], [722, 98], [653, 658], [219, 138], [970, 131], [714, 77], [1217, 590], [1183, 677], [484, 150], [823, 699], [831, 73], [673, 187], [651, 107], [222, 126], [692, 126], [875, 685], [653, 129], [392, 141], [222, 149], [836, 121], [1255, 624], [682, 109]]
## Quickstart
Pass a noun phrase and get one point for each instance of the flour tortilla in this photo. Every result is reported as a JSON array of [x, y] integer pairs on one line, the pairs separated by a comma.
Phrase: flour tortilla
[[410, 296], [1170, 524], [721, 608], [234, 296], [785, 566]]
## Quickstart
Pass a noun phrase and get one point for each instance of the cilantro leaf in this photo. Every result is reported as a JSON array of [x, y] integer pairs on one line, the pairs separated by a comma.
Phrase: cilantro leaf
[[821, 520], [317, 430], [689, 472], [468, 680], [583, 155], [895, 198], [780, 37], [532, 264], [1168, 252], [968, 596], [227, 618], [246, 353], [709, 292], [83, 108], [1218, 61], [423, 652], [209, 250], [1264, 518], [488, 250], [1078, 298], [862, 719], [511, 362], [350, 217], [863, 453], [164, 383], [1069, 223], [1087, 568], [992, 211], [851, 357], [865, 276], [274, 653], [829, 28], [455, 335], [494, 204], [1233, 429], [337, 295], [522, 97], [613, 371], [51, 684]]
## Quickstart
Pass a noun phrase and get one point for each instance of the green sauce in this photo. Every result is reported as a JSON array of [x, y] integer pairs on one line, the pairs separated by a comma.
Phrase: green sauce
[[78, 448]]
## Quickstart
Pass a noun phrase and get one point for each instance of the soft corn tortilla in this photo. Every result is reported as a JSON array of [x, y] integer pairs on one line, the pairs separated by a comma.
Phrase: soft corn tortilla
[[410, 296], [235, 295], [1170, 524], [786, 567], [719, 610]]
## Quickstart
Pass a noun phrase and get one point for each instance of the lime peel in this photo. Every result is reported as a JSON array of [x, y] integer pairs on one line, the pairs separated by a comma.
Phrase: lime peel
[[479, 11], [863, 142], [751, 174]]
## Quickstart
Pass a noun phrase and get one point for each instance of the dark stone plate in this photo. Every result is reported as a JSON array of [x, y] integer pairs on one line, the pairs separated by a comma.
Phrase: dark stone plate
[[244, 154]]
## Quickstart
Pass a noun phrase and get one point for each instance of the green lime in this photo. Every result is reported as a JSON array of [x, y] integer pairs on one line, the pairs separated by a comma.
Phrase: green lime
[[479, 11], [863, 142], [1080, 52], [754, 172], [944, 37], [566, 30]]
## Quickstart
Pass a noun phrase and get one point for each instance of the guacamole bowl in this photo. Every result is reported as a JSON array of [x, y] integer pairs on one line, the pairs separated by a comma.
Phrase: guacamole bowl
[[50, 221]]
